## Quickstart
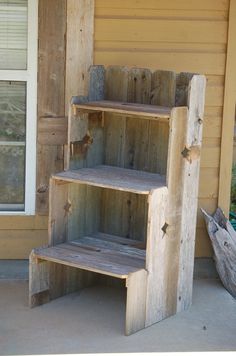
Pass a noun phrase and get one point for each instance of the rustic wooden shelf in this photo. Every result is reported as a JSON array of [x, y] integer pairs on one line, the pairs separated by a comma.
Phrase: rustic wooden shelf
[[132, 213], [117, 257], [114, 178], [153, 112]]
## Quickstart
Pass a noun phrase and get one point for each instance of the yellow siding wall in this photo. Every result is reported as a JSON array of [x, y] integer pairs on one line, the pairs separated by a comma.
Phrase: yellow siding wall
[[179, 35], [20, 234]]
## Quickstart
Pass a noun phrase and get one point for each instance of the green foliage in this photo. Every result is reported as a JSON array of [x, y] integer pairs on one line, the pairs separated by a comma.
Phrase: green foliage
[[233, 190]]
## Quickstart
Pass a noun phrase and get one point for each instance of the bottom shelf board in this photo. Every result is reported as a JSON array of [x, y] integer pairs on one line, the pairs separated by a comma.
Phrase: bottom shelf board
[[101, 253]]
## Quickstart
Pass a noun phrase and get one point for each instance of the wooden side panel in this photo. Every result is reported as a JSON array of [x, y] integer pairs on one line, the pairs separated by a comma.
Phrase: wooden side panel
[[38, 281], [136, 302], [51, 91], [58, 213], [178, 132], [157, 259], [190, 185]]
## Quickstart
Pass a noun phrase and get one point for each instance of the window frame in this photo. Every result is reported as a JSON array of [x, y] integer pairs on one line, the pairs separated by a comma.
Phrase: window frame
[[29, 76]]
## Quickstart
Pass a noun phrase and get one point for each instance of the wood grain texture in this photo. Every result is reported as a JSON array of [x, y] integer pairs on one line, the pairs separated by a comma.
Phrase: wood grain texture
[[223, 239], [136, 285], [51, 91], [228, 115], [52, 131], [145, 111], [102, 261], [157, 262], [114, 178], [38, 281], [79, 47]]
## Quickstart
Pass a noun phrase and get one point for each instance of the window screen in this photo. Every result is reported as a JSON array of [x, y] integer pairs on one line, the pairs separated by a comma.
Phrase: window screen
[[13, 34]]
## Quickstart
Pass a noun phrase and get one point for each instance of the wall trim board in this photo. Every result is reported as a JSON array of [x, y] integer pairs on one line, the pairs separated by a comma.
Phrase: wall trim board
[[228, 114]]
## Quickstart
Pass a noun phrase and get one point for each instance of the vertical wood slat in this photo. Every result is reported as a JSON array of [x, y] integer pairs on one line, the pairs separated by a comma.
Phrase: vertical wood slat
[[137, 131], [136, 302], [116, 88], [52, 30], [156, 259], [81, 126], [79, 47], [183, 171], [228, 114], [58, 213], [190, 178], [163, 90]]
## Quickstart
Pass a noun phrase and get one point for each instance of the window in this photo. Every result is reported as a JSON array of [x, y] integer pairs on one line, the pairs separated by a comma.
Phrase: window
[[18, 92]]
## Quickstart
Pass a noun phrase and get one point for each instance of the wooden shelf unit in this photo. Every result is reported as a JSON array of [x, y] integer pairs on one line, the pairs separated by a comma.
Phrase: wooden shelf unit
[[126, 205]]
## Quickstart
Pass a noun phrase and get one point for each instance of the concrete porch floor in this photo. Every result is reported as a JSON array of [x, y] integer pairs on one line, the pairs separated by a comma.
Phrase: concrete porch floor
[[92, 321]]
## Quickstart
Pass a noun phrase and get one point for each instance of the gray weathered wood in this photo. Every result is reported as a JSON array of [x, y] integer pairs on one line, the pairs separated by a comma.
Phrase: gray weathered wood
[[157, 259], [114, 178], [136, 284], [223, 239], [96, 83], [190, 179], [38, 281], [182, 88], [113, 264], [152, 112]]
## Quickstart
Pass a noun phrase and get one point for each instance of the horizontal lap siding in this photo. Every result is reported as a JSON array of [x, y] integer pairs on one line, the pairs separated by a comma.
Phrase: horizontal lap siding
[[179, 35], [20, 234]]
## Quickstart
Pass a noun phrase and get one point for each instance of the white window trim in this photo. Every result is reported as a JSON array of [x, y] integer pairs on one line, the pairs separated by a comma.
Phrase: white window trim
[[30, 77]]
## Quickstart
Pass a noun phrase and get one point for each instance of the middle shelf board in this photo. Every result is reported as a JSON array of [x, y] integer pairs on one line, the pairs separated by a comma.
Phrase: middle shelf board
[[114, 178], [145, 111], [100, 253]]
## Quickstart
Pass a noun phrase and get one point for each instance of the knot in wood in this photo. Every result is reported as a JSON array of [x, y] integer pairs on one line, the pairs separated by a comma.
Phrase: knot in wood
[[192, 153]]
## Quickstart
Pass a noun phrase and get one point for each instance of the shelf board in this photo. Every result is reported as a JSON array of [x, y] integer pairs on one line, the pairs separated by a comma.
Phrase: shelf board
[[94, 253], [146, 111], [114, 178]]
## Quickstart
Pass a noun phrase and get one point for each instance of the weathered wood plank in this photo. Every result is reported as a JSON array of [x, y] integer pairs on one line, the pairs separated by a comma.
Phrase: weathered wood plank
[[136, 136], [79, 47], [114, 178], [136, 302], [52, 131], [182, 88], [59, 209], [163, 88], [163, 93], [110, 264], [115, 125], [96, 89], [157, 261], [190, 176], [152, 112], [124, 214], [223, 239], [51, 81], [38, 281]]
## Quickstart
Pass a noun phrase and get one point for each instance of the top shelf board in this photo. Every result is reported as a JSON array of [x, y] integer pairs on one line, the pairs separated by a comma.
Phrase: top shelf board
[[114, 178], [129, 109]]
